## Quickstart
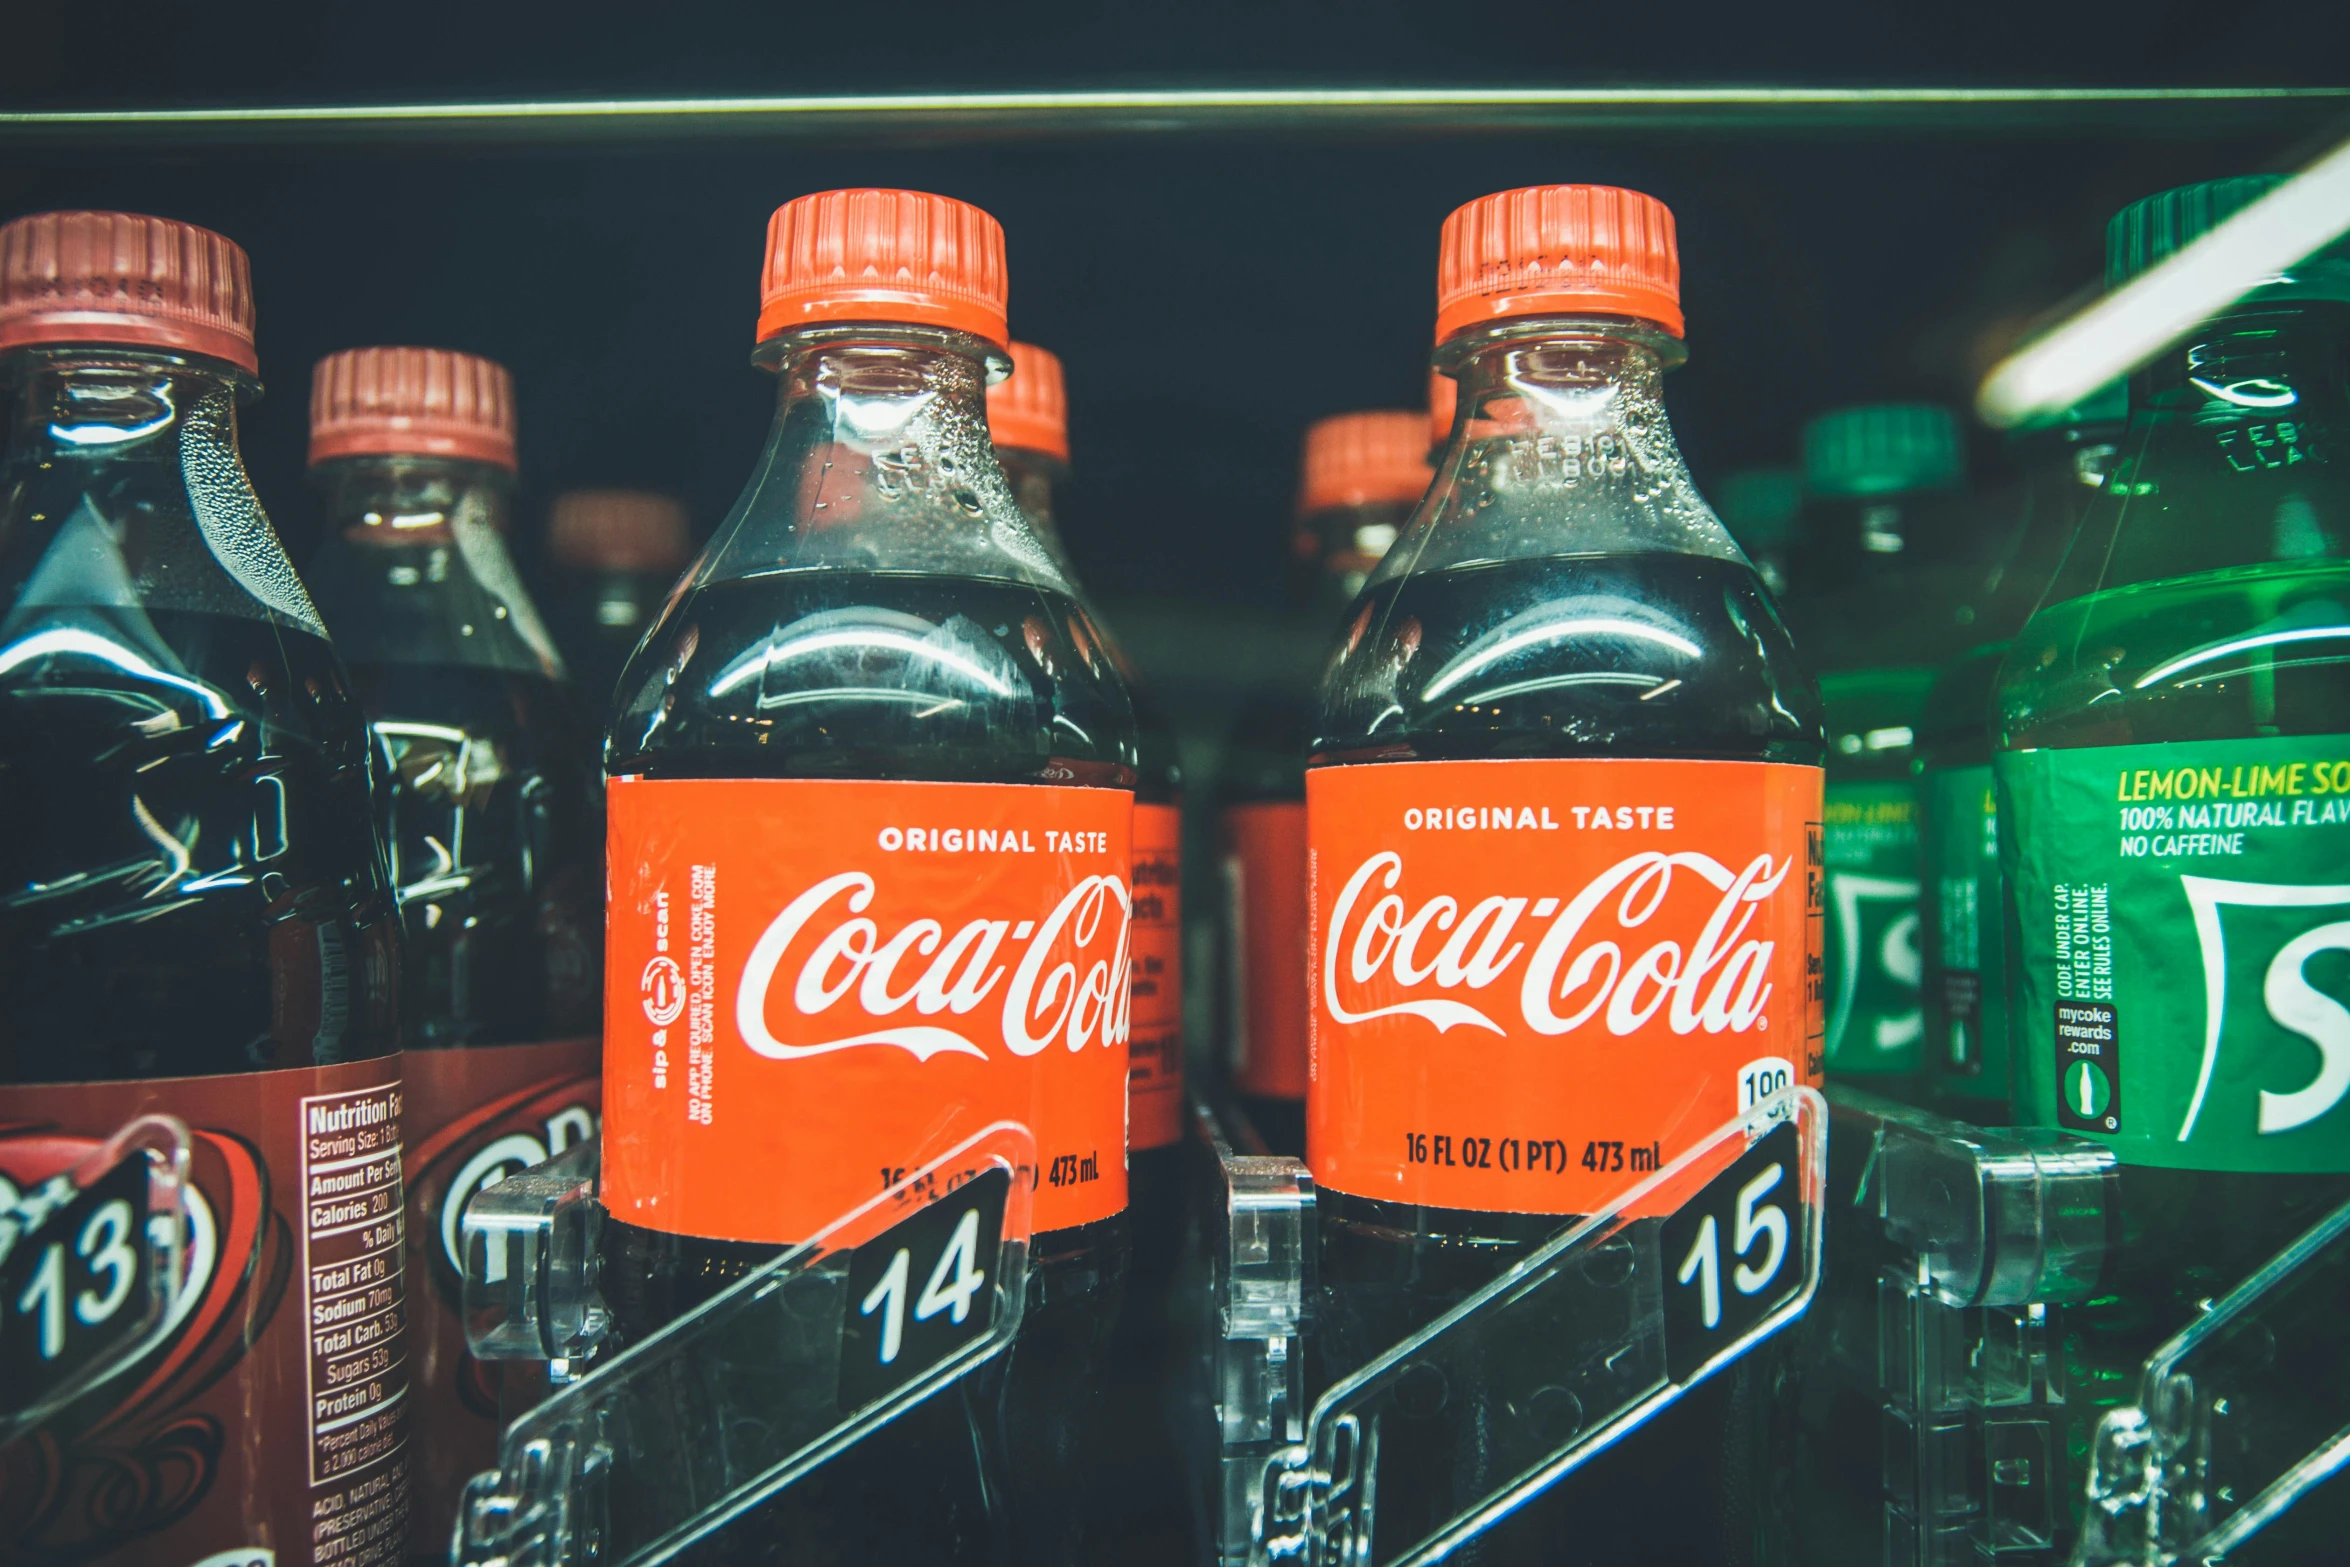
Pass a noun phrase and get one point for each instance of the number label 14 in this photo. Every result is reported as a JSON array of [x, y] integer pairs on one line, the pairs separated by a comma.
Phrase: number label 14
[[892, 1334]]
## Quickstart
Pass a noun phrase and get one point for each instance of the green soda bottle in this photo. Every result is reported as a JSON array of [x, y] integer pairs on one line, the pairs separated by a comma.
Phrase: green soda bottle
[[2173, 756], [2064, 459], [1887, 565]]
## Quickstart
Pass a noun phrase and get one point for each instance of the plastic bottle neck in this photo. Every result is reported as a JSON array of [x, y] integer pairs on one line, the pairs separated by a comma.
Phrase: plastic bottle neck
[[2234, 456], [400, 502], [415, 566], [879, 460], [87, 405], [1560, 446], [134, 455], [1562, 377]]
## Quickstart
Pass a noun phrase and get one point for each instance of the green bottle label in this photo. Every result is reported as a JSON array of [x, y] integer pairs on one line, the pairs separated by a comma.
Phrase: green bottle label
[[1874, 1022], [1965, 984], [2185, 920]]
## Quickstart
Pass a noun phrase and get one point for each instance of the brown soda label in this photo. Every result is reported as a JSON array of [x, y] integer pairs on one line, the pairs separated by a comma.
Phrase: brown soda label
[[1154, 1076], [270, 1424], [474, 1117], [1265, 892]]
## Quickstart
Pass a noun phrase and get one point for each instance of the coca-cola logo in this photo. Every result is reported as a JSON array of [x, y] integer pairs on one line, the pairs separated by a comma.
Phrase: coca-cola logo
[[1062, 979], [1609, 953]]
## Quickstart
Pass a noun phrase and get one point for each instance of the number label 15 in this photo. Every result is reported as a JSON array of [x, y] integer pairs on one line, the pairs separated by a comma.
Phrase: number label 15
[[1732, 1253]]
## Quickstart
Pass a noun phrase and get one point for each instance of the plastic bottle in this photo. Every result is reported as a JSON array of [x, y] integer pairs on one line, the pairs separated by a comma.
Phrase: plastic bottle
[[616, 555], [197, 924], [1564, 665], [2172, 727], [1962, 986], [876, 676], [1882, 595], [490, 825], [1760, 507], [1028, 419], [1363, 473]]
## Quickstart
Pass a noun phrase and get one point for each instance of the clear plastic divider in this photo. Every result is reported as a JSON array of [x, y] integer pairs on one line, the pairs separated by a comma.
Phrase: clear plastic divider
[[1261, 1296], [1584, 1340], [530, 1247], [91, 1261], [1952, 1252], [660, 1444], [2238, 1418]]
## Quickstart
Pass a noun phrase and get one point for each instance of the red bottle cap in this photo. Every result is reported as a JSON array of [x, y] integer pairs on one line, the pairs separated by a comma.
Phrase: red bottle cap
[[1558, 250], [898, 256], [1029, 409], [411, 402], [1363, 459], [1444, 397], [618, 530], [127, 280]]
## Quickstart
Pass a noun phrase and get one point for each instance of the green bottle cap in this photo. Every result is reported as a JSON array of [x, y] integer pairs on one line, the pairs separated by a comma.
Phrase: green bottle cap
[[1882, 449], [2145, 232], [1758, 506]]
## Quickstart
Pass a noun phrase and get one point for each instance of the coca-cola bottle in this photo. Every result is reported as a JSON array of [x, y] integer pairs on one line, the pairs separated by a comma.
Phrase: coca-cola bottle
[[1138, 1508], [2173, 726], [1028, 419], [2063, 461], [1884, 585], [489, 824], [195, 922], [870, 791], [1362, 474], [1562, 733], [615, 555]]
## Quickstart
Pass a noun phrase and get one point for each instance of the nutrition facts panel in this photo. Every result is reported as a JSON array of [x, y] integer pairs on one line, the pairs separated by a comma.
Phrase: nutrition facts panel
[[351, 1269]]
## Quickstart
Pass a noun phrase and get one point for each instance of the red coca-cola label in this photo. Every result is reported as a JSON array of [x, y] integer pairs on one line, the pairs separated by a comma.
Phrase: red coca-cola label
[[474, 1117], [1536, 981], [270, 1424], [1265, 968], [1154, 1078], [815, 986]]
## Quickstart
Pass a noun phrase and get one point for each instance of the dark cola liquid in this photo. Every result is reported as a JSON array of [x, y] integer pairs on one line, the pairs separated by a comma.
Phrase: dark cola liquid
[[1142, 1513], [1014, 687], [191, 885], [491, 837], [1264, 764], [1687, 1487]]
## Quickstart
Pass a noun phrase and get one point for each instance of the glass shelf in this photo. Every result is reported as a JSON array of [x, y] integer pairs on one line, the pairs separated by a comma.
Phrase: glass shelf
[[1299, 110]]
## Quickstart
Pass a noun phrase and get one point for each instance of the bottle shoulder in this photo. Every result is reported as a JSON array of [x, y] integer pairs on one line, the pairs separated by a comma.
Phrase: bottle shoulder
[[2232, 652], [1625, 654], [875, 674]]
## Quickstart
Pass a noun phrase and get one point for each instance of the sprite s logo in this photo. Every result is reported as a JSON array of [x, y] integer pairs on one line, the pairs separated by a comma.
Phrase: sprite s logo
[[2292, 1003], [1599, 957], [1878, 962]]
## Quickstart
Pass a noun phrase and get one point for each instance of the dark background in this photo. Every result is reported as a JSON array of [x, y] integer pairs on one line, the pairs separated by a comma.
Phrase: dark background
[[1210, 294]]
